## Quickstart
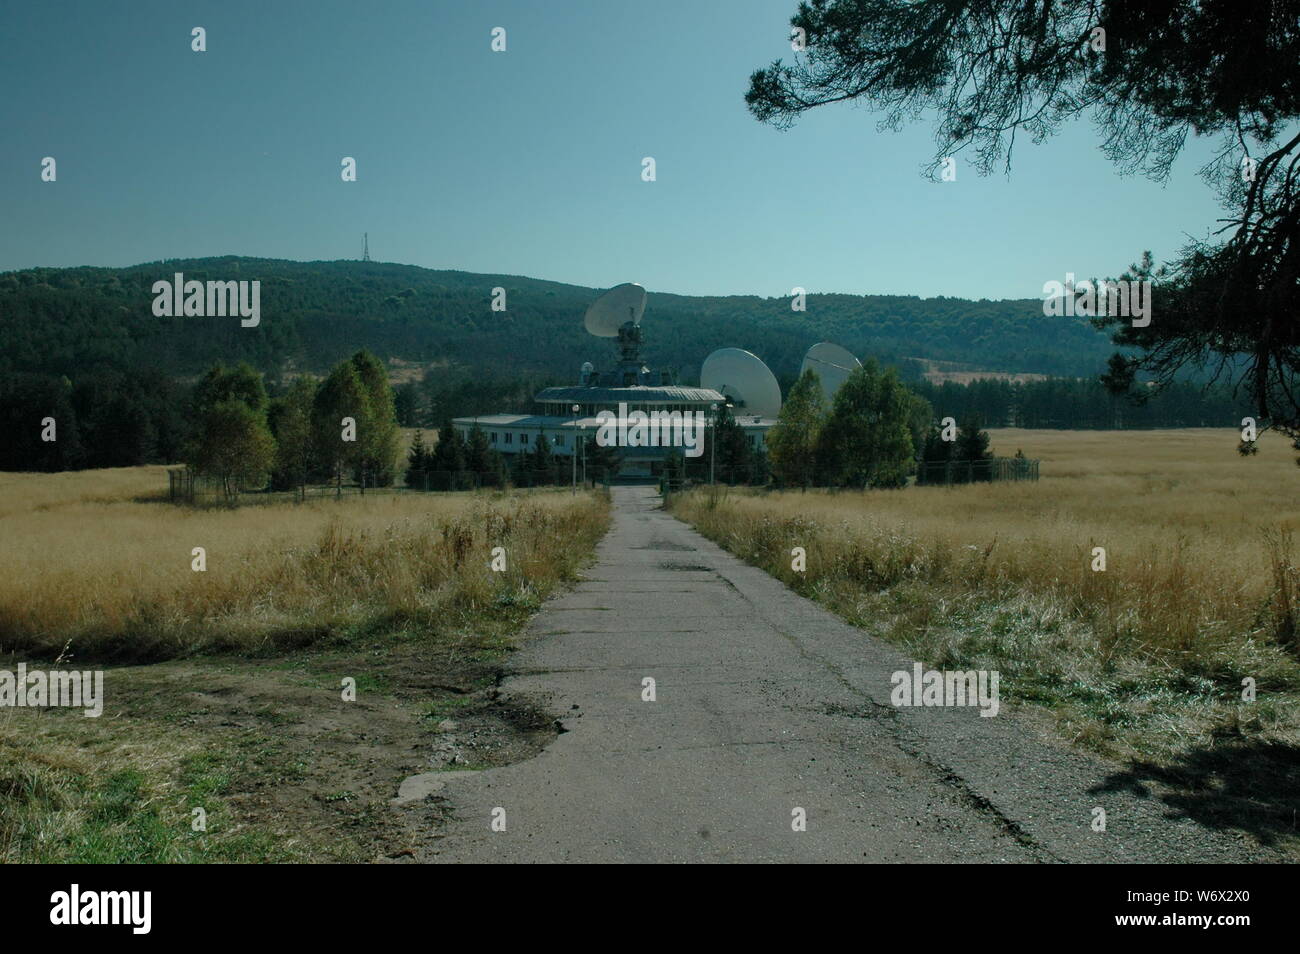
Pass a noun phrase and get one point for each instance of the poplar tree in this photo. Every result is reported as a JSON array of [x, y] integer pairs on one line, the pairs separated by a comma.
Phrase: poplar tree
[[792, 441]]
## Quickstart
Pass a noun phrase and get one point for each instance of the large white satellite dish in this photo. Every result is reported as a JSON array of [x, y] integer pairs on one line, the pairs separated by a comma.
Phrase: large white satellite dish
[[609, 312], [833, 366], [745, 379]]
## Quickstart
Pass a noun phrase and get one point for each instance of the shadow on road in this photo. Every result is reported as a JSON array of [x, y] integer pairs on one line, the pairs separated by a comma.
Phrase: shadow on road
[[1244, 786]]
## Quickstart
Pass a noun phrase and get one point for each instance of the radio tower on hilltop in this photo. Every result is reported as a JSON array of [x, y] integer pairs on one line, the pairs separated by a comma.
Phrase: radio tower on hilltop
[[365, 252]]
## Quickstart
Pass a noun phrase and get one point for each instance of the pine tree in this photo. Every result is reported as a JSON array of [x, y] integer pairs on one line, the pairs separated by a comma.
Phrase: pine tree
[[417, 463], [733, 450], [406, 402], [936, 455], [972, 443], [972, 449], [449, 454], [478, 451], [602, 462], [542, 461], [521, 470], [497, 473]]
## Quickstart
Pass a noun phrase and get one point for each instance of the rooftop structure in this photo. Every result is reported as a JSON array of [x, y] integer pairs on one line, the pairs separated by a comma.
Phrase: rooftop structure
[[570, 417]]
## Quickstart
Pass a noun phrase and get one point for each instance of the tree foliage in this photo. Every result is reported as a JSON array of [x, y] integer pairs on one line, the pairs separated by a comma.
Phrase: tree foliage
[[867, 438], [1165, 69], [792, 441], [449, 454], [419, 462], [232, 445], [377, 424], [290, 420], [341, 396], [72, 320]]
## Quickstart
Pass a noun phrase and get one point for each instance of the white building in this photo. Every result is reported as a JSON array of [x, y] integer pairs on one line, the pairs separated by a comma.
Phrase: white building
[[630, 384]]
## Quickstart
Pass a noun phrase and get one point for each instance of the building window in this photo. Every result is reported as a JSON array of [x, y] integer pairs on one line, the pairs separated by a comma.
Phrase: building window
[[494, 437], [559, 440], [510, 438], [523, 438]]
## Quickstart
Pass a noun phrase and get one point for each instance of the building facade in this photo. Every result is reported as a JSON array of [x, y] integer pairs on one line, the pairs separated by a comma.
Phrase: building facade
[[627, 388]]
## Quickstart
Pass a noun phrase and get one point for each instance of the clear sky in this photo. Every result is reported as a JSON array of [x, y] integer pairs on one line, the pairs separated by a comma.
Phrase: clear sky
[[525, 162]]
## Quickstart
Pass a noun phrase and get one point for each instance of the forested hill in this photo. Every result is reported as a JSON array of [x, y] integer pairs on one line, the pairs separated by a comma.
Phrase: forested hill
[[71, 320]]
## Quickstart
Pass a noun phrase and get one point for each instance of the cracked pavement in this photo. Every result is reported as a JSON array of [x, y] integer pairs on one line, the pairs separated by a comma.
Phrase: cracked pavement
[[766, 703]]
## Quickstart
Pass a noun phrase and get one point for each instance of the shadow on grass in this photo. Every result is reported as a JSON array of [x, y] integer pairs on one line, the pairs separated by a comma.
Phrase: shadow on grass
[[1245, 786]]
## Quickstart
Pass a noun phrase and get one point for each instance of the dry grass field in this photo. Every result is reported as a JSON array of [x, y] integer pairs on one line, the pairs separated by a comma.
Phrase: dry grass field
[[222, 687], [87, 558], [1145, 660]]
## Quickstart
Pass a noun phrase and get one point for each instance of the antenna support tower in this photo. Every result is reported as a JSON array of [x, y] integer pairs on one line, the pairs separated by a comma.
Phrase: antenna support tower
[[365, 253]]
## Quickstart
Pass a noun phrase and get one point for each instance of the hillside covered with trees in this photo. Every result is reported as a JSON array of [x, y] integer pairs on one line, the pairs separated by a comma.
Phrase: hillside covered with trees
[[84, 347], [70, 321]]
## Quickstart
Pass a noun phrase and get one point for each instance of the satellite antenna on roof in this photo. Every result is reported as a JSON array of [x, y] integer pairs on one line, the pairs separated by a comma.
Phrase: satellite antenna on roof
[[745, 379], [833, 365], [618, 306], [617, 314]]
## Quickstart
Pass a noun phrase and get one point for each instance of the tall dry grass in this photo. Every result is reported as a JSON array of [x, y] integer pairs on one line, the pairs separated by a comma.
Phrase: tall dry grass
[[1200, 591], [86, 558]]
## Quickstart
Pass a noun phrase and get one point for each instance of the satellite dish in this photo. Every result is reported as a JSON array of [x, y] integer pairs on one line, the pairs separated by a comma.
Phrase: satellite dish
[[744, 378], [619, 305], [833, 366]]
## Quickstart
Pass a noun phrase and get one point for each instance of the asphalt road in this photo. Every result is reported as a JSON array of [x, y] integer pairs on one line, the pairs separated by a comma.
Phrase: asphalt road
[[766, 704]]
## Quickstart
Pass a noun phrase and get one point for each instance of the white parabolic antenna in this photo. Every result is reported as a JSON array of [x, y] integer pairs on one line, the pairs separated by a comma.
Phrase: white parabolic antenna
[[610, 311], [745, 379], [833, 365]]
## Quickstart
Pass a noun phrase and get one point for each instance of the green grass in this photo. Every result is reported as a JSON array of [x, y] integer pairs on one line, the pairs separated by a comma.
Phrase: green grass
[[123, 816]]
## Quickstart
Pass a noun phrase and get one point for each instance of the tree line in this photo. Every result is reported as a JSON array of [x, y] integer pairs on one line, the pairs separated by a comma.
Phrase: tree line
[[285, 437], [460, 462], [1083, 404], [343, 426], [104, 419], [867, 437]]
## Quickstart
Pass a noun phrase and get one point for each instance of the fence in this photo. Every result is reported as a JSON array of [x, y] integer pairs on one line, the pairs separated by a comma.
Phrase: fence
[[975, 471], [184, 486], [180, 485], [443, 480]]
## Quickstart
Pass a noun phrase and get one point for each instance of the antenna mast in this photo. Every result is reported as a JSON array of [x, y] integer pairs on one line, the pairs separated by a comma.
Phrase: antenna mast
[[365, 254]]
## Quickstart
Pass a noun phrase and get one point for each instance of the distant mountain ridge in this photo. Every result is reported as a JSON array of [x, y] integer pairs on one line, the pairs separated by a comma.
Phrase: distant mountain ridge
[[71, 320]]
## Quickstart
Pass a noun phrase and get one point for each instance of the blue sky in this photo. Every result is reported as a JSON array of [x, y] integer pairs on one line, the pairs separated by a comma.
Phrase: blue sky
[[526, 162]]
